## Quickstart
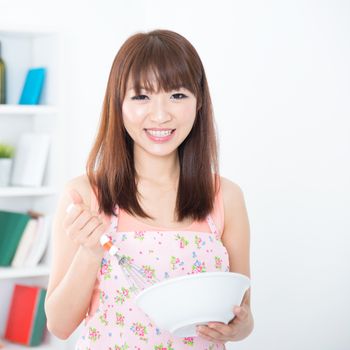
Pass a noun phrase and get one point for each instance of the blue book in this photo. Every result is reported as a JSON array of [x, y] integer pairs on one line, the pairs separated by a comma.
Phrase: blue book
[[33, 86]]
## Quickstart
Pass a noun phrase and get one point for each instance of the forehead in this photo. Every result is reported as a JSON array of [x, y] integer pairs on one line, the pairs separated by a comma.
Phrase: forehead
[[155, 80], [144, 81], [148, 80]]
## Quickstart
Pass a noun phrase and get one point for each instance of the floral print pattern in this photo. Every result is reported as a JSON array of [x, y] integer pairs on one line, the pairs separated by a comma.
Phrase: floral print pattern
[[198, 267], [183, 241], [106, 268], [117, 323], [120, 319], [218, 262]]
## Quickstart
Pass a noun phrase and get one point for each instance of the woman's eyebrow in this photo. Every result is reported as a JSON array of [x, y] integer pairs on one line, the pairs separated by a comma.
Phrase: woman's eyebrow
[[144, 88], [141, 88]]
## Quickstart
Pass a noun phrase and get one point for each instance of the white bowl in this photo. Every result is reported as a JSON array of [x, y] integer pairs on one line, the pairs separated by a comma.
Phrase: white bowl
[[179, 304]]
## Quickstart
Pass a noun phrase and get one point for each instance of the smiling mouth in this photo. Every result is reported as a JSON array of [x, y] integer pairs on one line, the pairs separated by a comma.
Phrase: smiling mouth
[[160, 133]]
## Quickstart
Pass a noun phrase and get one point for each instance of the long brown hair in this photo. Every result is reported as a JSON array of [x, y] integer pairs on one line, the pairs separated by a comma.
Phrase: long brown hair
[[110, 165]]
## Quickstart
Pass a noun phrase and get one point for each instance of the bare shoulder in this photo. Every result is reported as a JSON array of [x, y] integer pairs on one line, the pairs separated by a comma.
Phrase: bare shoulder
[[236, 223], [232, 194]]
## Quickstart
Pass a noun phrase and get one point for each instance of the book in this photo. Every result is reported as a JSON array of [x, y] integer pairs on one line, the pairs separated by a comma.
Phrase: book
[[40, 242], [33, 86], [12, 226], [26, 321], [30, 159], [34, 241], [26, 243]]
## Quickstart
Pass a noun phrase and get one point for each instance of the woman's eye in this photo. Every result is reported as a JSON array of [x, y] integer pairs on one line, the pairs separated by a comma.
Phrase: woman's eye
[[179, 98], [139, 97]]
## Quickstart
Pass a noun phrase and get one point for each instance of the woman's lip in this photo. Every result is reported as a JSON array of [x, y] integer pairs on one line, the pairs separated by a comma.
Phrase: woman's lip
[[160, 139], [155, 129]]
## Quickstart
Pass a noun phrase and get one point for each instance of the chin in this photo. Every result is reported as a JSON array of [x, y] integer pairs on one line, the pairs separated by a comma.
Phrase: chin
[[161, 151]]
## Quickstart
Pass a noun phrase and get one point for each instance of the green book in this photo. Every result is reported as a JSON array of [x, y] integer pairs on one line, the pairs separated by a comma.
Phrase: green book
[[39, 322], [12, 225]]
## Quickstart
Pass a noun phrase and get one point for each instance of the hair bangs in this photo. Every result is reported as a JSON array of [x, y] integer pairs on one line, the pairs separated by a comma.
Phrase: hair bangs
[[158, 66]]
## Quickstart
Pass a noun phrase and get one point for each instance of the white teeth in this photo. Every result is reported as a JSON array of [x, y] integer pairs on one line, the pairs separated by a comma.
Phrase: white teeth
[[159, 133]]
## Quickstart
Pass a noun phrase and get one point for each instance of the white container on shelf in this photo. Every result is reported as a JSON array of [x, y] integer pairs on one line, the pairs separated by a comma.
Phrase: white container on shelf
[[5, 171], [30, 159]]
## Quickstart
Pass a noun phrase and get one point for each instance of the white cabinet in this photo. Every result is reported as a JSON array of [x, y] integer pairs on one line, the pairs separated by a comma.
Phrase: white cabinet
[[22, 49]]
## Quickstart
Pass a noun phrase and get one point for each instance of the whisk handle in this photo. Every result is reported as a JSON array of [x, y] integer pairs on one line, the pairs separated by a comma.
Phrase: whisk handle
[[108, 245]]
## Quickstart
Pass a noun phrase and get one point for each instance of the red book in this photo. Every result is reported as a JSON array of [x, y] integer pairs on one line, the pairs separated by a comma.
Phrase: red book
[[26, 319]]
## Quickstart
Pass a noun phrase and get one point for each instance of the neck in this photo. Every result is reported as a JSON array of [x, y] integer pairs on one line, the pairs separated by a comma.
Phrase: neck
[[157, 170]]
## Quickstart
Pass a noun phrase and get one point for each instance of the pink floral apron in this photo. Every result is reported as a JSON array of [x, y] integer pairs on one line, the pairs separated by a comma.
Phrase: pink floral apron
[[114, 321]]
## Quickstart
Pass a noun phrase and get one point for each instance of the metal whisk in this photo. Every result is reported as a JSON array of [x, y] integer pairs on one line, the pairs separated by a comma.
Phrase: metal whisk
[[138, 277]]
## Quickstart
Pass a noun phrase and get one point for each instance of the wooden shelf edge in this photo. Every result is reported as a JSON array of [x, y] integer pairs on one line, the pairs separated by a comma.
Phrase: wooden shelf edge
[[20, 272], [13, 109], [11, 346], [30, 31], [13, 191]]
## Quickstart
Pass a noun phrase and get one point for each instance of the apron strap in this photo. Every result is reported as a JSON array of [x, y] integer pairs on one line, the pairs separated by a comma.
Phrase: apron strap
[[213, 227]]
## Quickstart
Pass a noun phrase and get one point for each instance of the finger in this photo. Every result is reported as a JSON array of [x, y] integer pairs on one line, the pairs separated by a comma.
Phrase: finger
[[94, 238], [89, 228], [77, 201], [72, 215], [209, 338], [73, 230], [240, 312], [211, 333], [70, 208], [75, 196], [222, 328]]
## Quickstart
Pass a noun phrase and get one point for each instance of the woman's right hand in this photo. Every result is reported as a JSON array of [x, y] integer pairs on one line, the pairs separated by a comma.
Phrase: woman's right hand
[[83, 226]]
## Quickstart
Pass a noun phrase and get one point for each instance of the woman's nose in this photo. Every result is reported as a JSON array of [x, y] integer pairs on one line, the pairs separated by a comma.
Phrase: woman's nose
[[159, 111]]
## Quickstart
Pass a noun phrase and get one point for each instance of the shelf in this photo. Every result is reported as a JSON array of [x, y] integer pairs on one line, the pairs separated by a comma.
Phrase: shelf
[[28, 110], [27, 31], [12, 191], [19, 272], [12, 346]]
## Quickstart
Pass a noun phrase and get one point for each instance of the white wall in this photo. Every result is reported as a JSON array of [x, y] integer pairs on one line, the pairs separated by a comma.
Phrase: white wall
[[279, 75]]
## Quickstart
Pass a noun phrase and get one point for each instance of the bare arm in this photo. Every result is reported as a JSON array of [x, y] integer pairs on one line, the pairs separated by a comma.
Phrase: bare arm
[[236, 239], [75, 263], [236, 235]]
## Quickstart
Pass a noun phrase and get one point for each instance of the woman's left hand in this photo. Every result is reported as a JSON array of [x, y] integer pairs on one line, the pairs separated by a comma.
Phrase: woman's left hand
[[237, 329]]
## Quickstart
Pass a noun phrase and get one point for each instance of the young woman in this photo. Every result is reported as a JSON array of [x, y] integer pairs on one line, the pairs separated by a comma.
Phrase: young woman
[[152, 183]]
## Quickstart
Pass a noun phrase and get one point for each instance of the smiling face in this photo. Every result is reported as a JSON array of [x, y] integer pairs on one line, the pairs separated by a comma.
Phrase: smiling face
[[158, 122]]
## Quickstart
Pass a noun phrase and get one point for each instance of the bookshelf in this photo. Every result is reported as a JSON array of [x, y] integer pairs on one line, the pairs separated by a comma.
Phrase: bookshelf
[[19, 272], [23, 48], [13, 191], [10, 346], [26, 110]]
